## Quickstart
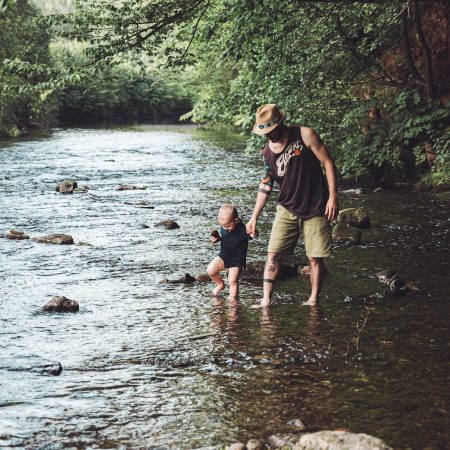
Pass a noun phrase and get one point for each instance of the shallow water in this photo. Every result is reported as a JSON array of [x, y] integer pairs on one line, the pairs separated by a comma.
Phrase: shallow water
[[148, 364]]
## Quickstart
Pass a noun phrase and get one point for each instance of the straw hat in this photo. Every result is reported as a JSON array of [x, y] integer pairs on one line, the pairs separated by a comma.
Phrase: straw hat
[[268, 117]]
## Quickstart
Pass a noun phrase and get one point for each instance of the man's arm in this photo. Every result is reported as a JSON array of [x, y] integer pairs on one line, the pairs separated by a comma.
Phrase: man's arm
[[264, 190], [313, 141]]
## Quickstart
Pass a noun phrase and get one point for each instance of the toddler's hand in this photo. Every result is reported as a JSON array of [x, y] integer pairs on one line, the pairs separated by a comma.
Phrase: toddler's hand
[[215, 236]]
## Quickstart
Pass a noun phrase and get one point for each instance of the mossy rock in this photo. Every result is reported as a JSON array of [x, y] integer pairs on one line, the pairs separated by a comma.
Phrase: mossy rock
[[355, 217]]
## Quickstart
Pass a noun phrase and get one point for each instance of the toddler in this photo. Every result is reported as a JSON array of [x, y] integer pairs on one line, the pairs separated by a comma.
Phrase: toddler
[[233, 239]]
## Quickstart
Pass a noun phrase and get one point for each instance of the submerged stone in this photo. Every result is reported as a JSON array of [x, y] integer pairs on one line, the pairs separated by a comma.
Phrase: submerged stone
[[255, 269], [346, 234], [356, 217], [58, 239], [167, 224], [61, 304], [128, 187]]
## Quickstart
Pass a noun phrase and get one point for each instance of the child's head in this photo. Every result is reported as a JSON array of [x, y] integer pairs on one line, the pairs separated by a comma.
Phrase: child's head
[[228, 217]]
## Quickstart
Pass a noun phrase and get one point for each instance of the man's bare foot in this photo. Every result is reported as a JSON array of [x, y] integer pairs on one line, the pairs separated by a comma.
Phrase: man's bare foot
[[233, 301], [219, 288], [310, 302], [263, 303]]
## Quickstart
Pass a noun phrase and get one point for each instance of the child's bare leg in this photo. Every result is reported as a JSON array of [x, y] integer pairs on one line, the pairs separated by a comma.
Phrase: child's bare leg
[[214, 268], [233, 280]]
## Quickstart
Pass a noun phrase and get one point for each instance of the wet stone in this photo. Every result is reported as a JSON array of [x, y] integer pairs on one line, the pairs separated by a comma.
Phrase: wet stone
[[57, 239], [255, 444], [356, 217], [297, 423], [66, 187], [48, 369], [339, 440], [61, 304], [385, 275], [16, 235], [347, 234], [167, 224], [237, 446]]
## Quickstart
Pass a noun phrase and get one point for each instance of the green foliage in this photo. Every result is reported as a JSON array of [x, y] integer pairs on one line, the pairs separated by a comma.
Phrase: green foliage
[[22, 38], [128, 92]]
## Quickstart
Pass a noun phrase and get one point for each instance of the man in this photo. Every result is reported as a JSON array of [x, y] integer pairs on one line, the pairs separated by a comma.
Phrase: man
[[306, 205]]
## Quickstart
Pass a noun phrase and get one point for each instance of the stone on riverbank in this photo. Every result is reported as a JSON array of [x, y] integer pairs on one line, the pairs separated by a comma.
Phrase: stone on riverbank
[[61, 304], [356, 217], [329, 440], [16, 235], [57, 239], [167, 224], [347, 234], [66, 187]]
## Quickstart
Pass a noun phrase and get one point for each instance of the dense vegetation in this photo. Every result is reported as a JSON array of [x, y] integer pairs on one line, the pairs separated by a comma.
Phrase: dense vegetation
[[372, 78]]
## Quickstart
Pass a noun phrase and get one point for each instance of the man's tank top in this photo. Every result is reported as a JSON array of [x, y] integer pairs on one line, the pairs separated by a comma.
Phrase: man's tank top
[[303, 188]]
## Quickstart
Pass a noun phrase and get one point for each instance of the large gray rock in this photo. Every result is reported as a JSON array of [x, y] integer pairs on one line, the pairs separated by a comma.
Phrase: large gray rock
[[66, 187], [347, 234], [356, 217], [328, 440], [58, 239], [339, 440], [61, 304], [16, 235]]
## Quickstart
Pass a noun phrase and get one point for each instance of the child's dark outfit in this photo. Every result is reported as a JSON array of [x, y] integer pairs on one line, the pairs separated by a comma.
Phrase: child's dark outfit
[[233, 246]]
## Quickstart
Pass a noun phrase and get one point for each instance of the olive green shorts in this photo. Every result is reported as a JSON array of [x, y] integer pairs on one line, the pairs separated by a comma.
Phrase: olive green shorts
[[287, 228]]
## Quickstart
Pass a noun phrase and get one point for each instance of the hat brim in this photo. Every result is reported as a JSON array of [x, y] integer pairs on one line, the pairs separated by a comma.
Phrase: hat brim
[[262, 132]]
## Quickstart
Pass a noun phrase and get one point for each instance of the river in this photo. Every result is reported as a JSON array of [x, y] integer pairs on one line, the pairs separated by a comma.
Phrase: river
[[157, 365]]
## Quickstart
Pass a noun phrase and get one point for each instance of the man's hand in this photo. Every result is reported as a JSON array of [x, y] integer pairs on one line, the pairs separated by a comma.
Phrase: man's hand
[[215, 237], [251, 227], [332, 209]]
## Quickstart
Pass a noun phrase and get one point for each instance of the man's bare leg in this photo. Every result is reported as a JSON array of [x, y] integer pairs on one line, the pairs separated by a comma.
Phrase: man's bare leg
[[271, 270], [317, 275], [214, 269]]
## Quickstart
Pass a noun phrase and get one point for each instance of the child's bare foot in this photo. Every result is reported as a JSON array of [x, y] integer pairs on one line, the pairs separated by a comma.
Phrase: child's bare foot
[[233, 301], [310, 302], [219, 288]]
